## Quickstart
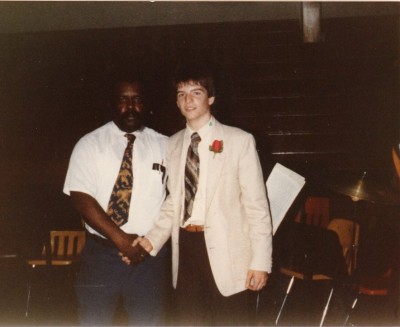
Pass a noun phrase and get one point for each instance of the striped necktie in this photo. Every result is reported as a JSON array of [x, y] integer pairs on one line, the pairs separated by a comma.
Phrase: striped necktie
[[192, 170], [118, 206]]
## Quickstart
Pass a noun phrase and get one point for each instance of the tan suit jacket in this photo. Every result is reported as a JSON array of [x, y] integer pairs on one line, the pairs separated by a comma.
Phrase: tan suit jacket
[[237, 223]]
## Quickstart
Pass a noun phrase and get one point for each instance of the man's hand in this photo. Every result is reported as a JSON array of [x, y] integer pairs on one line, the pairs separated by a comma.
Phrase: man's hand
[[131, 250], [144, 246], [124, 243], [137, 254], [256, 280]]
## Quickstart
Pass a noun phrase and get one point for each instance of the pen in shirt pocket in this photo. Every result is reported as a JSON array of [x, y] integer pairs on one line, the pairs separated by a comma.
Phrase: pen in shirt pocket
[[160, 168]]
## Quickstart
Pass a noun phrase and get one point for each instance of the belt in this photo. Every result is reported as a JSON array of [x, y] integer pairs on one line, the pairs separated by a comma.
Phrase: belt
[[194, 228], [100, 240]]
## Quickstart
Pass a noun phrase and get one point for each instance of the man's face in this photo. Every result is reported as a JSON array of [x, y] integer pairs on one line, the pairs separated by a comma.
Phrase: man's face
[[193, 101], [128, 106]]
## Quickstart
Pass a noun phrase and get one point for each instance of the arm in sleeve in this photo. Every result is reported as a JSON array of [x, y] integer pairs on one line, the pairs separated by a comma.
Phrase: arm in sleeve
[[254, 200], [81, 174], [162, 229], [96, 217], [80, 184]]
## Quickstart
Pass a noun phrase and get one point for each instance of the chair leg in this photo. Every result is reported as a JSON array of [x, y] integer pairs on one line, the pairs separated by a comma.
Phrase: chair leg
[[284, 300], [28, 297], [326, 308], [29, 275], [350, 311]]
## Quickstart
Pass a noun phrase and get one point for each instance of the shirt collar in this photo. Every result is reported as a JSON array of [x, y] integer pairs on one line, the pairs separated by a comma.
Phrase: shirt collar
[[115, 129], [204, 131]]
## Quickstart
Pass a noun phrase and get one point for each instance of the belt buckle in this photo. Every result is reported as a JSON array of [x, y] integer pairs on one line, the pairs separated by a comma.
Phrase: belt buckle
[[194, 228]]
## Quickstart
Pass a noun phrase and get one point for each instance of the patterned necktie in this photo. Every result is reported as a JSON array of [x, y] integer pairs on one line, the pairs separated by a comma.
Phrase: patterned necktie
[[118, 207], [192, 170]]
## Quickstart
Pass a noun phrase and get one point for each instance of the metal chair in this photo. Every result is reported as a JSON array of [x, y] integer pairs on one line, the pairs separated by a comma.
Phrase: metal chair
[[319, 257], [62, 248]]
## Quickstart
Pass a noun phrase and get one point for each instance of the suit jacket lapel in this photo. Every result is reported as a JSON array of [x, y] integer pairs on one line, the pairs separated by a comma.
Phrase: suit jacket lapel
[[174, 168], [215, 165]]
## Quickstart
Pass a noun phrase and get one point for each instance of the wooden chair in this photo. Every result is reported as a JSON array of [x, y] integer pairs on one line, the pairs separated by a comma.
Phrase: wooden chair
[[62, 248], [315, 211], [348, 233]]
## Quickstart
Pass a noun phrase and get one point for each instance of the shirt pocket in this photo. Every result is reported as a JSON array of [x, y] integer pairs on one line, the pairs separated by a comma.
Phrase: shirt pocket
[[153, 185]]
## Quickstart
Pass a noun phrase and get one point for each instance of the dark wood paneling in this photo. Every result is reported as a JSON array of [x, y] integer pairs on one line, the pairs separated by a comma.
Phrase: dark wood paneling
[[327, 106]]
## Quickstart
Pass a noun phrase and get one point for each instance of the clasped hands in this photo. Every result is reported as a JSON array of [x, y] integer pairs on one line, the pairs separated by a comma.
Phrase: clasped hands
[[132, 252]]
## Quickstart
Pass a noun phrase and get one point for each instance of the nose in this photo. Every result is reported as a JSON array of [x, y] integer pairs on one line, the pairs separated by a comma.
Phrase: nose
[[131, 103], [188, 98]]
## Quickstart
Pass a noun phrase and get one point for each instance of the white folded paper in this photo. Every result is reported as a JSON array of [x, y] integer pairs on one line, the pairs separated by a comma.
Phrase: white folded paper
[[283, 186]]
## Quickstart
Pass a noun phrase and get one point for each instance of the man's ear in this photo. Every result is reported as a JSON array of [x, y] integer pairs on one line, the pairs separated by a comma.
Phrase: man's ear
[[211, 100]]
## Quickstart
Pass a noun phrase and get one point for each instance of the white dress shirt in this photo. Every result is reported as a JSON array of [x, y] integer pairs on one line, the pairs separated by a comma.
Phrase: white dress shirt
[[95, 163]]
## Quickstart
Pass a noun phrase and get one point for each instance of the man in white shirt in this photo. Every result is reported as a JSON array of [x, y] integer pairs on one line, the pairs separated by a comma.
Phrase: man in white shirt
[[221, 239], [93, 169]]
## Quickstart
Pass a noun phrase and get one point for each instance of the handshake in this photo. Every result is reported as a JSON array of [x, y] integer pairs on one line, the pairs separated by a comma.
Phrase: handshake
[[134, 253]]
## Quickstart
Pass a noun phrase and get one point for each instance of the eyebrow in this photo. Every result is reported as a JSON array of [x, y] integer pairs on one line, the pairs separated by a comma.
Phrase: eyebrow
[[128, 95], [196, 89]]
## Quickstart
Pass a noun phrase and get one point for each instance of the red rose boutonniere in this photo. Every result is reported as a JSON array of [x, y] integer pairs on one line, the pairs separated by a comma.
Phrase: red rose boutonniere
[[217, 146]]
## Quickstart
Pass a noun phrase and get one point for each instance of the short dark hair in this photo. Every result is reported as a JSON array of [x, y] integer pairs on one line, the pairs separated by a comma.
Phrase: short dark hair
[[117, 85], [116, 78], [197, 73], [126, 77]]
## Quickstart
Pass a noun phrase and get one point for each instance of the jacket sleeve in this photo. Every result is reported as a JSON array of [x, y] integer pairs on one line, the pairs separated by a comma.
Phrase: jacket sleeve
[[161, 231], [254, 199]]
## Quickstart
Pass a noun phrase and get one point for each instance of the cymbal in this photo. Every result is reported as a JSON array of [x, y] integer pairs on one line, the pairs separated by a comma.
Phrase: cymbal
[[362, 188]]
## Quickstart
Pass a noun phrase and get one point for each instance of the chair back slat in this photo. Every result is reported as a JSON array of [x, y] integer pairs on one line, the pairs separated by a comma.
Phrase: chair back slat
[[67, 243], [314, 212]]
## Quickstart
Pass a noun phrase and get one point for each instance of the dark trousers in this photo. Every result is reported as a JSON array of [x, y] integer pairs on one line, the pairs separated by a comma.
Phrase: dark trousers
[[198, 300], [103, 279]]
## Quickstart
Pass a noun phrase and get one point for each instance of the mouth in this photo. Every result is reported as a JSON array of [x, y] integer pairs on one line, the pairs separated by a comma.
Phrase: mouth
[[132, 120], [131, 117]]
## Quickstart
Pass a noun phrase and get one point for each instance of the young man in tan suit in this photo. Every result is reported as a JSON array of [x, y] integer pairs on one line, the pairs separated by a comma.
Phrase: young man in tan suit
[[221, 239]]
